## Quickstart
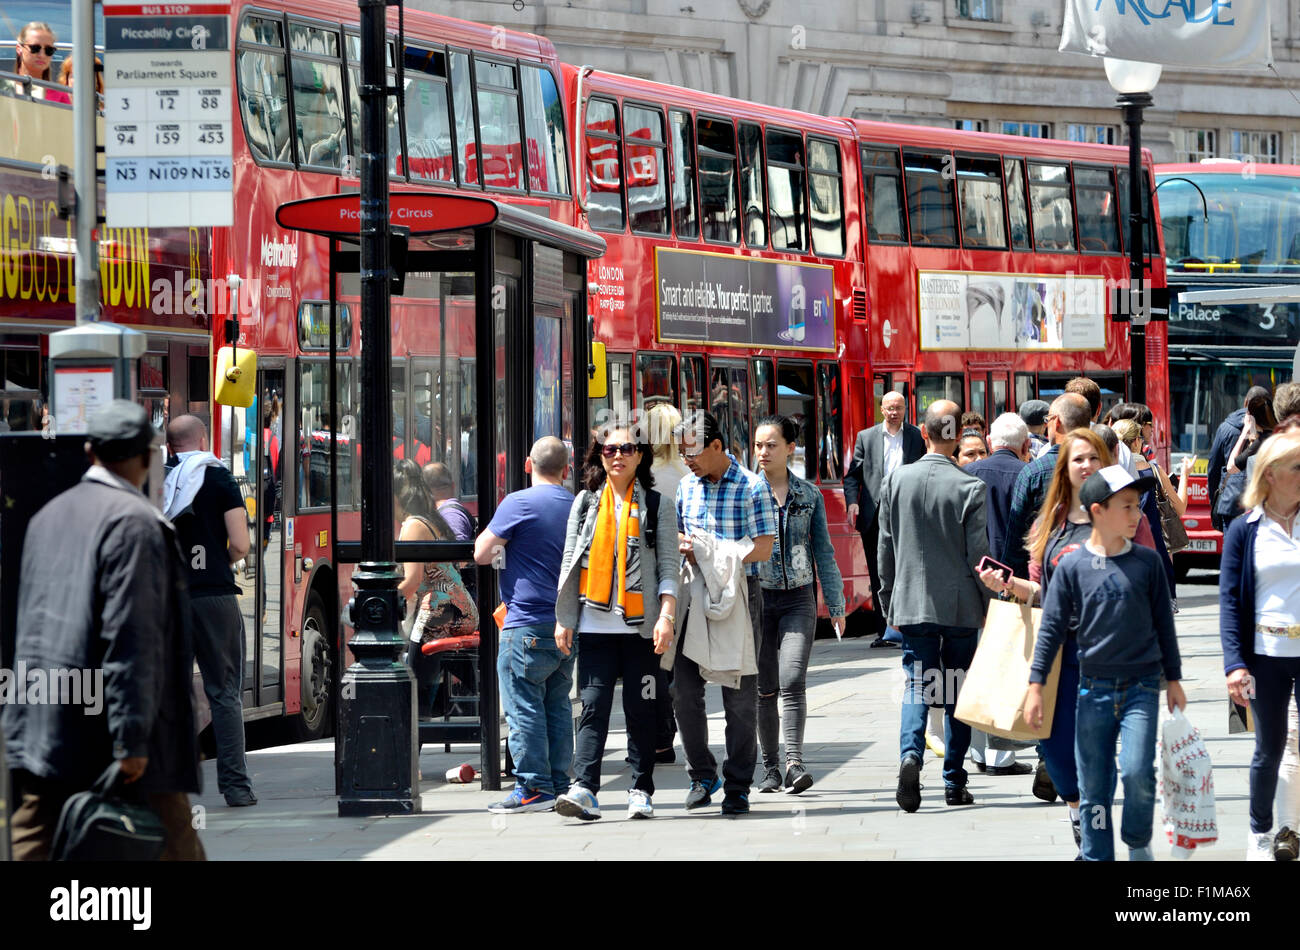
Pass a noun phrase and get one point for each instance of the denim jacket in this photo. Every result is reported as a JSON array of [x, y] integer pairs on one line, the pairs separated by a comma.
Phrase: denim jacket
[[803, 533]]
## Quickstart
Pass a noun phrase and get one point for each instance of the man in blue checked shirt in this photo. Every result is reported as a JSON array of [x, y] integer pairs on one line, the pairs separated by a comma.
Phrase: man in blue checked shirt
[[722, 499]]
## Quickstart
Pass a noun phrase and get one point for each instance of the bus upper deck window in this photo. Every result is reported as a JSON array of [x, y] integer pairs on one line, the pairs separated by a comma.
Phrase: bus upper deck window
[[882, 183], [1049, 196], [719, 210], [687, 223], [604, 167], [544, 123], [1094, 195], [979, 187], [643, 151], [825, 198], [930, 204], [786, 190]]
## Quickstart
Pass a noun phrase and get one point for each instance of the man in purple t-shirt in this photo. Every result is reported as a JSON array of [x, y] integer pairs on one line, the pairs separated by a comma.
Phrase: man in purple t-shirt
[[437, 478], [525, 543]]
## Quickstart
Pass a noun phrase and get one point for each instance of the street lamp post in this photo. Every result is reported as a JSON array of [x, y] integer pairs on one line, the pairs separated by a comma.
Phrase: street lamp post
[[1134, 82], [378, 772]]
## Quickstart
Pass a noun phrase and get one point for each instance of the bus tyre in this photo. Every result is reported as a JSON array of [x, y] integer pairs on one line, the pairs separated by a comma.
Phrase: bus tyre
[[316, 717]]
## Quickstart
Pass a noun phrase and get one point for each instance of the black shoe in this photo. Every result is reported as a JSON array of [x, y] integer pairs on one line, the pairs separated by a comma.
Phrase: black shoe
[[881, 642], [909, 784], [979, 766], [1015, 768], [771, 781], [797, 779], [701, 793], [735, 803], [1043, 787], [958, 796], [1286, 845], [665, 756], [241, 800]]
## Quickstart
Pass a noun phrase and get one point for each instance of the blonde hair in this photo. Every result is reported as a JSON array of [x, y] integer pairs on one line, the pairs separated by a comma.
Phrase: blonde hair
[[1128, 431], [661, 419], [1059, 492], [22, 38], [1276, 450]]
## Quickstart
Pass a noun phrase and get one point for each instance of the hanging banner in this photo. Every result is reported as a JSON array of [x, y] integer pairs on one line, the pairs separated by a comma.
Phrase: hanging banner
[[1201, 33]]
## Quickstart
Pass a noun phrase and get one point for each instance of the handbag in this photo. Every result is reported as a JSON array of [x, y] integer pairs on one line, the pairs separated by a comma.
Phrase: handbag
[[97, 825], [992, 696], [1175, 533]]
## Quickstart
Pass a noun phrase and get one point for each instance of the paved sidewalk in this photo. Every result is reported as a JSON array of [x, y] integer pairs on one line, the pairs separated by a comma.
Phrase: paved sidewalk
[[851, 749]]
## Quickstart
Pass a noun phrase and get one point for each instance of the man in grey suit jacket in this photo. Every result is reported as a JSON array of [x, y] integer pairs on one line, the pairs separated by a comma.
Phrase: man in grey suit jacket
[[877, 452], [932, 535]]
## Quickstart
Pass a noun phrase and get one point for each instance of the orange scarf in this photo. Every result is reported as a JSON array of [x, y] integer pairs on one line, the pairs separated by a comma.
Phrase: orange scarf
[[614, 556]]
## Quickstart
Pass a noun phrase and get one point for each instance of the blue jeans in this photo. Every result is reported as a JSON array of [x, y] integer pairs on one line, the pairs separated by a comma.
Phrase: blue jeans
[[1057, 749], [1127, 710], [535, 680], [935, 658]]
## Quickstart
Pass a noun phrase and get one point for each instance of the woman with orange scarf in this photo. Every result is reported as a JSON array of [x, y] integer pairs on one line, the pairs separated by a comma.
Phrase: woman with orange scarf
[[619, 554]]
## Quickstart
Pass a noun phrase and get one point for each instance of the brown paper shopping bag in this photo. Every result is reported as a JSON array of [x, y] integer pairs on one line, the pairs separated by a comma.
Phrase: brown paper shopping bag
[[992, 697]]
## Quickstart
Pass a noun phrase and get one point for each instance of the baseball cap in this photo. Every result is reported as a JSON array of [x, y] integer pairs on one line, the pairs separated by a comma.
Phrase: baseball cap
[[1034, 412], [1101, 484], [119, 430]]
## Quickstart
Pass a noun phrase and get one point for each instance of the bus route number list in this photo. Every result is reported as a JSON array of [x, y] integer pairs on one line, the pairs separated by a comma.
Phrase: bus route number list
[[167, 122]]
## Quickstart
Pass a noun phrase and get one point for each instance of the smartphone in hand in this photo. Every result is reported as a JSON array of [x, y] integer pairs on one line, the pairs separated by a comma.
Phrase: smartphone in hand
[[988, 564]]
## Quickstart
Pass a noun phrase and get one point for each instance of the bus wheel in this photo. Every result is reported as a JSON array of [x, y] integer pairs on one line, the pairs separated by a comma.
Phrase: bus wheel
[[317, 673]]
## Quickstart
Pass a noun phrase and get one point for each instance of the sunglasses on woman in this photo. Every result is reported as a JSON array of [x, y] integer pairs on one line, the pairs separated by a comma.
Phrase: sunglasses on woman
[[37, 47], [626, 448]]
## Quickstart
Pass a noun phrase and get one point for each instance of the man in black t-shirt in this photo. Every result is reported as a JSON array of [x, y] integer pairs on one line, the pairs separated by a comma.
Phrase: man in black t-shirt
[[203, 501]]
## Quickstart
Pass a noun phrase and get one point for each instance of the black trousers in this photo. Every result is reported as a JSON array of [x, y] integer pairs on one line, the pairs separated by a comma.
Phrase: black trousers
[[870, 540], [602, 659]]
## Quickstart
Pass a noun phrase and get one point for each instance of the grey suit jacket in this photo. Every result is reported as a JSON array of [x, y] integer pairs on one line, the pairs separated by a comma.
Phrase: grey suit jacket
[[932, 535], [862, 481]]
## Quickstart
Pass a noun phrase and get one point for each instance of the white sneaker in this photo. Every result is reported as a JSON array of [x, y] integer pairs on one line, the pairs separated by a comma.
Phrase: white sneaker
[[638, 805], [578, 802], [1259, 847]]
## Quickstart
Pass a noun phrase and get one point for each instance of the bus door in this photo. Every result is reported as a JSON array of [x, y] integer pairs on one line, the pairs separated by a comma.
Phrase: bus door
[[988, 393], [891, 382], [268, 548]]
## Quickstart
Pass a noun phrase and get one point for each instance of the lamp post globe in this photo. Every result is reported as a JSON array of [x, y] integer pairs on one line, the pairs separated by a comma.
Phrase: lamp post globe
[[1128, 76]]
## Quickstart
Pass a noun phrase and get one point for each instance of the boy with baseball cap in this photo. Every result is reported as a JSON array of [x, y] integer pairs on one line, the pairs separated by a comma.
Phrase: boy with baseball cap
[[1118, 594]]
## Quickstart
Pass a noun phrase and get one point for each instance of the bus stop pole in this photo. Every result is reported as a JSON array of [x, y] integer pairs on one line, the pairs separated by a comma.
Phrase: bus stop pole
[[85, 172], [379, 774]]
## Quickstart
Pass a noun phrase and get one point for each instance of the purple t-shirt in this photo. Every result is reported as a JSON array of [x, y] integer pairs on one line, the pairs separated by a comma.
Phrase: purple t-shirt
[[458, 519], [533, 521]]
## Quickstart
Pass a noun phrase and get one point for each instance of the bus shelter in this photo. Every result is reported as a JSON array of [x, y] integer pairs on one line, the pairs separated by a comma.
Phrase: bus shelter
[[488, 307]]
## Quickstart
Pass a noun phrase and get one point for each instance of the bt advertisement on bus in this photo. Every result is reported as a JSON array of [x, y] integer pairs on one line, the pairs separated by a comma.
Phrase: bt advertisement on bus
[[724, 300], [988, 311]]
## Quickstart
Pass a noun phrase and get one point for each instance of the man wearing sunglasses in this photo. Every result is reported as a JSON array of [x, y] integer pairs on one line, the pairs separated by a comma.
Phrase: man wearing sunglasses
[[35, 53], [722, 500]]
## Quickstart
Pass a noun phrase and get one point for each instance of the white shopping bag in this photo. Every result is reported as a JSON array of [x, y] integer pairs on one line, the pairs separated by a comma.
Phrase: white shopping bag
[[1186, 786]]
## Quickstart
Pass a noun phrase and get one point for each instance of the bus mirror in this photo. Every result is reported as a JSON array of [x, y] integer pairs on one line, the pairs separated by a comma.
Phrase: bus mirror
[[236, 377], [597, 375]]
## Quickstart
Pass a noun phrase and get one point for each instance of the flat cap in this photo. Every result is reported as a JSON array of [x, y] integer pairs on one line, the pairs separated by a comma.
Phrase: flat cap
[[1034, 412], [119, 430]]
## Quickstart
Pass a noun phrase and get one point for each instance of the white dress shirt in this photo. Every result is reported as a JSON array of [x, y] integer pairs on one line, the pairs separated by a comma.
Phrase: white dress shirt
[[893, 449], [1277, 585]]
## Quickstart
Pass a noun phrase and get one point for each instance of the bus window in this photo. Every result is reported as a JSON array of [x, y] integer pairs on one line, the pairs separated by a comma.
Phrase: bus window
[[716, 148], [785, 190], [883, 184], [825, 198], [930, 209], [620, 389], [604, 184], [832, 421], [763, 394], [500, 143], [729, 403], [1025, 388], [656, 380], [1017, 204], [797, 401], [319, 115], [316, 430], [429, 154], [468, 430], [693, 385], [752, 200], [1150, 245], [1049, 196], [978, 397], [643, 152], [931, 387], [979, 188], [1094, 196], [395, 152], [462, 101], [263, 89], [544, 124], [684, 175]]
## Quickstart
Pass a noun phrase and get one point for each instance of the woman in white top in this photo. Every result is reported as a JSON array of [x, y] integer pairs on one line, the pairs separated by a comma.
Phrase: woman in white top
[[1259, 619]]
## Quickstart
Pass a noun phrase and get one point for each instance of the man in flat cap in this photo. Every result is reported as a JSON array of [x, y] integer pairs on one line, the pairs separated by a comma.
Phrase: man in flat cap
[[1034, 414], [101, 597]]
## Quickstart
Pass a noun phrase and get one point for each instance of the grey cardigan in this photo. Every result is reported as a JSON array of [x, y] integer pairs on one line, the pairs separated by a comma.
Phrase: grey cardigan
[[658, 573]]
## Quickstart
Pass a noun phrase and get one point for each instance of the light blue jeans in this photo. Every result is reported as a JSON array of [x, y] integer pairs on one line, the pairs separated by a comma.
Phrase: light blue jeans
[[1111, 709], [535, 679]]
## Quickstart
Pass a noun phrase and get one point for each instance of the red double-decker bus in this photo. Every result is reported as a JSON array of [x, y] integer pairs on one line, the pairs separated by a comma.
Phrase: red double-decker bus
[[990, 265]]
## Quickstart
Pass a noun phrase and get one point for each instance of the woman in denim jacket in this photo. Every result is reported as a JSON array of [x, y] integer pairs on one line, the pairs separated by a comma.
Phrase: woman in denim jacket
[[790, 602]]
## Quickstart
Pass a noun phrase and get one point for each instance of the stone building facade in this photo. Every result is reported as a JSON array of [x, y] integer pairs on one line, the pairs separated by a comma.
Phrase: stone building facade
[[990, 65]]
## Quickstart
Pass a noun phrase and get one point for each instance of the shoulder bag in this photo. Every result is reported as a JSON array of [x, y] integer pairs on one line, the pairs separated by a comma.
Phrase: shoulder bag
[[1175, 533], [97, 825]]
